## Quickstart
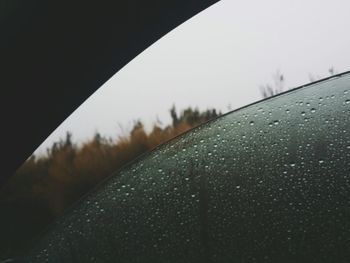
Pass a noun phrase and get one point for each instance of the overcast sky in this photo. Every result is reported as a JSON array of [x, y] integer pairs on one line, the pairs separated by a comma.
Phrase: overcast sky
[[218, 58]]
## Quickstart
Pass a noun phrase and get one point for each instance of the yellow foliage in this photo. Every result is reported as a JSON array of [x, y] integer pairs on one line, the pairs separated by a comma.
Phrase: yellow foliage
[[55, 181]]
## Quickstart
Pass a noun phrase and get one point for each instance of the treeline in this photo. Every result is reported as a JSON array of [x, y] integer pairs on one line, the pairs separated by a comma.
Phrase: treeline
[[43, 187], [279, 82]]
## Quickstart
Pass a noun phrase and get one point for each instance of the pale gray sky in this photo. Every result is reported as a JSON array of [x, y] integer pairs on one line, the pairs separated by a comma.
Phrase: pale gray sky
[[218, 58]]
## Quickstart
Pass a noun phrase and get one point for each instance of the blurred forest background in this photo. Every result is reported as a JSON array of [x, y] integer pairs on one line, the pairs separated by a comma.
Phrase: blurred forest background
[[44, 186]]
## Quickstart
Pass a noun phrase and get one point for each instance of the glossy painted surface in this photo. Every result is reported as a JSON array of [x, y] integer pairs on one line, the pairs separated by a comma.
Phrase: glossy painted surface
[[267, 183]]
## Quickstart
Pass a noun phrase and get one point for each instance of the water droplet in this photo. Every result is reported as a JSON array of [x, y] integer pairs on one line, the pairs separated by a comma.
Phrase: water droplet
[[238, 186], [347, 101], [313, 110], [321, 161], [251, 123], [276, 122]]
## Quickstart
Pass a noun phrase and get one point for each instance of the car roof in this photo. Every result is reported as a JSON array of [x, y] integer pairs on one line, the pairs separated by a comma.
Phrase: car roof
[[55, 54]]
